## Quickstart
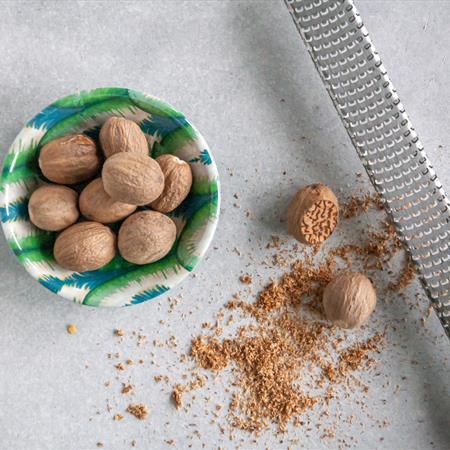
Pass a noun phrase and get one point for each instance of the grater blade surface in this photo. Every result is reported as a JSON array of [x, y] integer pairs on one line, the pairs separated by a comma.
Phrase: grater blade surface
[[384, 138]]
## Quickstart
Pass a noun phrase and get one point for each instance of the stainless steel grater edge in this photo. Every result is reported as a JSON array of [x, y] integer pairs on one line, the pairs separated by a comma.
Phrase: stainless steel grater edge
[[384, 138]]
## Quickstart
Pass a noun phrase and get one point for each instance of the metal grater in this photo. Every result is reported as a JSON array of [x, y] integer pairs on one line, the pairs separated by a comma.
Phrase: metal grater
[[383, 136]]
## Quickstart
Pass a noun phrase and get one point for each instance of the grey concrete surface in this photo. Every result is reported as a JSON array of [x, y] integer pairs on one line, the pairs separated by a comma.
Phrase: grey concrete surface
[[227, 65]]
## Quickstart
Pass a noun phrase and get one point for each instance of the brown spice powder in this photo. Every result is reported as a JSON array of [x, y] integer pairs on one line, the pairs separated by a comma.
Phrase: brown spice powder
[[271, 357], [357, 205], [179, 389], [138, 410], [379, 248], [353, 358], [407, 275], [127, 388], [177, 395]]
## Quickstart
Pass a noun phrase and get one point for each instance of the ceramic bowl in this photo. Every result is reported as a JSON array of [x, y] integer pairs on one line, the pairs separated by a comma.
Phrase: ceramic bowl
[[119, 283]]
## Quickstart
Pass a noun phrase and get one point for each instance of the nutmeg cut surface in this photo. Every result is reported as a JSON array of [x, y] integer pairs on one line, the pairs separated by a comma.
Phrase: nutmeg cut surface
[[85, 246], [313, 214], [132, 178], [53, 207], [97, 205], [177, 183], [69, 159], [146, 236], [349, 299], [122, 135]]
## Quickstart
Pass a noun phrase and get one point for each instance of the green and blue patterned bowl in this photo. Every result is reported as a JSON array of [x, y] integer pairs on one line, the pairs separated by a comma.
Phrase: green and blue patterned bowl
[[119, 283]]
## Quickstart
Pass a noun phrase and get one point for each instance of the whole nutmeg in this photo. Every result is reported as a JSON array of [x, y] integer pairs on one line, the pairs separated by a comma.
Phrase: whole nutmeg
[[97, 205], [69, 159], [349, 299], [313, 214], [132, 178], [146, 236], [122, 135], [85, 246], [53, 207], [177, 183]]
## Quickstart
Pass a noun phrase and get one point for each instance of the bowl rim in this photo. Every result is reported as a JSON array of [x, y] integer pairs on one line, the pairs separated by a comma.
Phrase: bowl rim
[[27, 131]]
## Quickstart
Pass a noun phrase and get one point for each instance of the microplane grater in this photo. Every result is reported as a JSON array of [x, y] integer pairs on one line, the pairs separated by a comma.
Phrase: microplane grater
[[385, 140]]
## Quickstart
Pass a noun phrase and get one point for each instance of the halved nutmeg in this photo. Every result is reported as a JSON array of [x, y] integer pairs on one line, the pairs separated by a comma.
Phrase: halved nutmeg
[[313, 214]]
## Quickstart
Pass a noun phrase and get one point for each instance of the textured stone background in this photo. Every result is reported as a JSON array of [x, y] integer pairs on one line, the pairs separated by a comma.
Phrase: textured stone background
[[226, 65]]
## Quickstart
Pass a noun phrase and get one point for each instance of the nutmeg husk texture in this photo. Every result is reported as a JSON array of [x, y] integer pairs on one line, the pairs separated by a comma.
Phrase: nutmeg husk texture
[[177, 183], [313, 214], [132, 178], [349, 299], [122, 135], [97, 205], [85, 246], [53, 207], [69, 159], [146, 236]]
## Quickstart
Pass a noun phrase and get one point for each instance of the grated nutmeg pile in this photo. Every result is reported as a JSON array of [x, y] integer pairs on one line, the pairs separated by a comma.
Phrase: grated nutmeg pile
[[284, 354], [286, 361], [279, 363]]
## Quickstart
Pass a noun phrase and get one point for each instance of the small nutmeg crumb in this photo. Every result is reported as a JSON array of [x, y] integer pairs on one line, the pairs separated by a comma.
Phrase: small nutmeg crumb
[[100, 444], [349, 299], [72, 328], [127, 388], [177, 396], [117, 416], [313, 214], [119, 332], [138, 410], [246, 279]]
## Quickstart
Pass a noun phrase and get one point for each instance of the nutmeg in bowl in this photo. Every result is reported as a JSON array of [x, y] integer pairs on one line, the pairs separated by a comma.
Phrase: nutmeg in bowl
[[97, 205], [47, 149]]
